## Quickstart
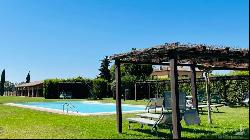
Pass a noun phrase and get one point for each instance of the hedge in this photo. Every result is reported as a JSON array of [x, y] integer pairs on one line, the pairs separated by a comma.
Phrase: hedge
[[100, 88], [81, 89], [235, 89], [51, 88]]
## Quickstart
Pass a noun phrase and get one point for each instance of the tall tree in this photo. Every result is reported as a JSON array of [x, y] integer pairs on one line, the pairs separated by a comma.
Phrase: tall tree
[[28, 78], [2, 83], [140, 71], [9, 86], [104, 70]]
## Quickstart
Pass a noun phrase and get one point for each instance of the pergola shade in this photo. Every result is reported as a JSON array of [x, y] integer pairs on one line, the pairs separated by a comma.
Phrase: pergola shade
[[174, 54], [206, 57]]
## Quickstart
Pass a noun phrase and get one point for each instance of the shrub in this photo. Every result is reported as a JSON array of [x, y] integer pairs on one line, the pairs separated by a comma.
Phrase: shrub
[[51, 88], [100, 88], [127, 82], [79, 87], [235, 90]]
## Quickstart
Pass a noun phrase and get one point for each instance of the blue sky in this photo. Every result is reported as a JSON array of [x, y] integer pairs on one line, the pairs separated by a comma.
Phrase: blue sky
[[68, 38]]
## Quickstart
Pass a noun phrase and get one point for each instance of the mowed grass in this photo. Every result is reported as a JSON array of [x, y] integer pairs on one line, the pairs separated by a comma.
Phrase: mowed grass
[[16, 99], [26, 123]]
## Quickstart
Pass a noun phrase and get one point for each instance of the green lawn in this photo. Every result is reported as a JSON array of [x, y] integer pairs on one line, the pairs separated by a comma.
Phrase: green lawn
[[26, 123]]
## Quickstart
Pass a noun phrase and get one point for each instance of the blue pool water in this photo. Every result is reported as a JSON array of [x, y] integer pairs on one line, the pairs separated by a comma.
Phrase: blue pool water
[[86, 107]]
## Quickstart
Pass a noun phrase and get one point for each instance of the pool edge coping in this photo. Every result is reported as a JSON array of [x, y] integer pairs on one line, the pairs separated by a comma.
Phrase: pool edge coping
[[57, 111]]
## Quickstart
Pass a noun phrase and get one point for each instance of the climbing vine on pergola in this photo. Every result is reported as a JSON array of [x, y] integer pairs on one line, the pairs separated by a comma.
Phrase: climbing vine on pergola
[[206, 57]]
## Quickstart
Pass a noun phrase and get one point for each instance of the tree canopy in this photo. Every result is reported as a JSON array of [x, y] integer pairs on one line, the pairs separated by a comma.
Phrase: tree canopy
[[138, 71]]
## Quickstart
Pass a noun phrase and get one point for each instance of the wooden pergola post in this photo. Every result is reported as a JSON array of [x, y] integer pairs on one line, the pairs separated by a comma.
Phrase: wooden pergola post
[[135, 92], [160, 55], [118, 96], [175, 98], [194, 87], [208, 97], [157, 90], [149, 91], [225, 91]]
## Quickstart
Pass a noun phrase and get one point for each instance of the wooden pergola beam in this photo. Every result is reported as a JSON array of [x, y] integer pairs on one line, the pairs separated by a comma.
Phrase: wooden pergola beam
[[229, 67], [186, 52], [239, 77], [152, 63]]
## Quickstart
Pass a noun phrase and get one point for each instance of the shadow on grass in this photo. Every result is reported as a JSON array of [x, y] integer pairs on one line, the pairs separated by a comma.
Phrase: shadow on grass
[[165, 134], [234, 134], [229, 135], [218, 112], [238, 106], [237, 133], [198, 131]]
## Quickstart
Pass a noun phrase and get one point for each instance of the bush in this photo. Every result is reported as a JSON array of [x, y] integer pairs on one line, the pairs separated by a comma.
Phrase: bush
[[51, 88], [100, 88], [127, 83], [79, 87], [235, 91]]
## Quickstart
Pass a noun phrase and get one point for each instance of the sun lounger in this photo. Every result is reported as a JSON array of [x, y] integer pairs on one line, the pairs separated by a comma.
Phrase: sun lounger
[[191, 117], [65, 95], [246, 98], [164, 119], [246, 101], [149, 115], [167, 106], [151, 119], [168, 101], [212, 106], [154, 103]]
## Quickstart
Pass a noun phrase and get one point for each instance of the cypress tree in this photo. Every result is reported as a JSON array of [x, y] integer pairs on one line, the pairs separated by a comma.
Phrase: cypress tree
[[28, 78], [2, 83]]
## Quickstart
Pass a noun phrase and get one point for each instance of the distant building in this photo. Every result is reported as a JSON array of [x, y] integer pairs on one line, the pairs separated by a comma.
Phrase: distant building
[[183, 71], [76, 90], [32, 89]]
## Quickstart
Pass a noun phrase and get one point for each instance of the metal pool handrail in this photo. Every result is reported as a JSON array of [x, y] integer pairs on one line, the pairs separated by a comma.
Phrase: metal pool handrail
[[69, 105]]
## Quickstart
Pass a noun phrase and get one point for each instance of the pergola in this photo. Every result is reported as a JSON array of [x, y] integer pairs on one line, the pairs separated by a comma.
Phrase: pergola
[[188, 80], [175, 54]]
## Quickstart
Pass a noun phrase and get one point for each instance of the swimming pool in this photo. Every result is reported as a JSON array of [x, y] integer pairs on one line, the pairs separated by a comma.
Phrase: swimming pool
[[83, 107]]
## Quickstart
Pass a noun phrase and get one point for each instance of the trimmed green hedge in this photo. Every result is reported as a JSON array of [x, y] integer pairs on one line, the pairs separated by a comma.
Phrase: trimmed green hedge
[[234, 90], [51, 90], [82, 88], [100, 88]]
